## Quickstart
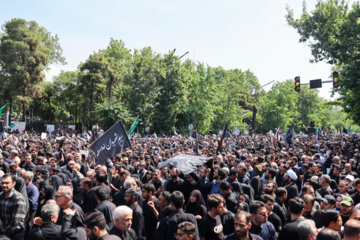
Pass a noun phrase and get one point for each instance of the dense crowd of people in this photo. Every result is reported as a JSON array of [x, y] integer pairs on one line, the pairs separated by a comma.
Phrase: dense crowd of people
[[251, 187]]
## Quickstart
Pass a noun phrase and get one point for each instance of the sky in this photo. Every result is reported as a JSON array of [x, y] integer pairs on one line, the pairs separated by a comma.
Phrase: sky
[[241, 34]]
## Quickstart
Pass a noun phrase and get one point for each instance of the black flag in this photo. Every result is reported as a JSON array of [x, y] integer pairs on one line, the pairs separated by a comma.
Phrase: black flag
[[114, 141]]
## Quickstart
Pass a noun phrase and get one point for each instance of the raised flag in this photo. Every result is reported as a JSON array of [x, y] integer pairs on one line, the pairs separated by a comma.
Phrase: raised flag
[[2, 108], [133, 126], [112, 142]]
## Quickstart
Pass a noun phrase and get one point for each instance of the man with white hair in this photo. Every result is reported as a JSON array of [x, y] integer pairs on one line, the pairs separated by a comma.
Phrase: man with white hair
[[71, 215], [307, 230], [48, 230], [123, 220], [33, 195]]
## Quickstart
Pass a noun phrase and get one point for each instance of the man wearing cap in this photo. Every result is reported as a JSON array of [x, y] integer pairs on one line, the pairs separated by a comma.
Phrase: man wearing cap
[[356, 196], [346, 207], [290, 178]]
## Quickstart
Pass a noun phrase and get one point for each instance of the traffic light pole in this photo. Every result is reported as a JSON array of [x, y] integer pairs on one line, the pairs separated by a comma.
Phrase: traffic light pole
[[326, 81]]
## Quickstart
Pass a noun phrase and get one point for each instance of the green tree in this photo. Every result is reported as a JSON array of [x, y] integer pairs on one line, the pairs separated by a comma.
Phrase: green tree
[[119, 58], [200, 95], [92, 86], [26, 49], [233, 95], [332, 30], [170, 91], [110, 112], [140, 90], [279, 106]]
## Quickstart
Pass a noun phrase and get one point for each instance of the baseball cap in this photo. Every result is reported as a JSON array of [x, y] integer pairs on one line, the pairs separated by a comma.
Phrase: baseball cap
[[348, 201], [350, 177], [304, 166]]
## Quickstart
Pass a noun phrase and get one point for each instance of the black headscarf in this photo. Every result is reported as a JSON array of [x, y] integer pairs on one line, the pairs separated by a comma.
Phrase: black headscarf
[[198, 207]]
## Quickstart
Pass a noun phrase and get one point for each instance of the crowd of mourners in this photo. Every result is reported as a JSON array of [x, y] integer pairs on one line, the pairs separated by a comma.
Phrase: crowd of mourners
[[253, 188]]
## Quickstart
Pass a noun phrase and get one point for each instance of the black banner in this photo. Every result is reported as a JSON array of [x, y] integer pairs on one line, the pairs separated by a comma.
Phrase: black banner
[[114, 141]]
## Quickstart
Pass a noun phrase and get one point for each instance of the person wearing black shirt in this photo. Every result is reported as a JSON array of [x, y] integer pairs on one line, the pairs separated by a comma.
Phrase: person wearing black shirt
[[290, 230], [211, 227], [230, 197], [260, 224], [290, 179], [272, 217], [163, 202], [89, 202], [150, 209], [95, 226], [242, 225], [325, 189], [227, 220], [196, 205], [346, 207], [115, 182], [105, 207], [71, 216], [175, 183], [122, 228], [168, 225], [279, 206], [131, 198], [49, 229], [356, 196]]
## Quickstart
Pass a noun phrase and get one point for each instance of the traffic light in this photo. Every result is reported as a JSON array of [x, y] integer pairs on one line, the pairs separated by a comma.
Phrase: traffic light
[[335, 79], [297, 84]]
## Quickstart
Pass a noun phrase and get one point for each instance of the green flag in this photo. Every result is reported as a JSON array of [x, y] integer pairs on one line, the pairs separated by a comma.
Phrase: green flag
[[133, 126], [12, 125], [2, 108], [316, 129], [351, 128]]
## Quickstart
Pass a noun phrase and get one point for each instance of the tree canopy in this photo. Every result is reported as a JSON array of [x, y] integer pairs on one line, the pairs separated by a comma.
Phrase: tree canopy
[[164, 91], [332, 31], [26, 49]]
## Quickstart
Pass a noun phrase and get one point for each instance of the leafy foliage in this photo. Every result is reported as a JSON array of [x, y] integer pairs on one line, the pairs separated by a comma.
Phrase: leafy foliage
[[166, 93], [332, 30], [26, 49]]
